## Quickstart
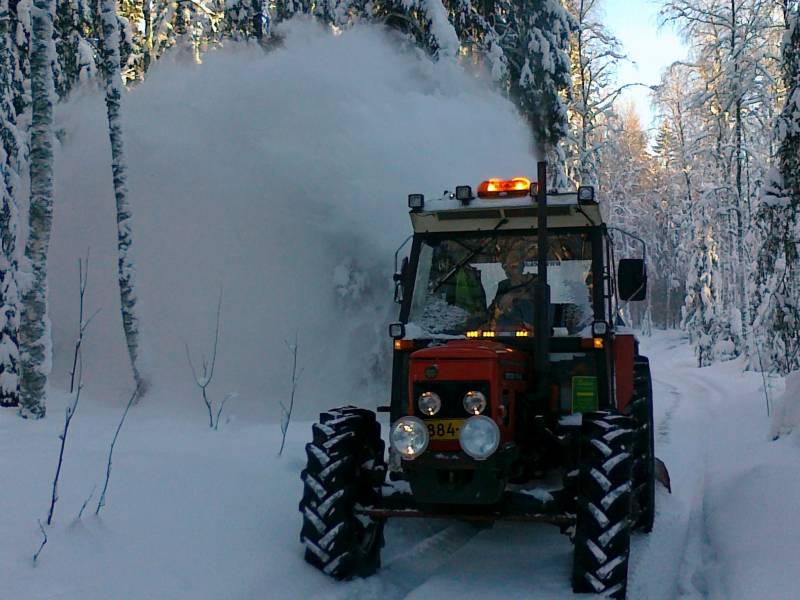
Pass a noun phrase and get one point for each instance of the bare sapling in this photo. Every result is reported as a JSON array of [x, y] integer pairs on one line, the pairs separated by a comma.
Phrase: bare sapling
[[764, 377], [83, 279], [206, 374], [102, 501], [86, 502], [44, 541], [286, 409], [76, 379]]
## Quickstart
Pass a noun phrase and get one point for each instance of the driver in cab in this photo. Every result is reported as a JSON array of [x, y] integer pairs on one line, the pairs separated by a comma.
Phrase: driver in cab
[[513, 304]]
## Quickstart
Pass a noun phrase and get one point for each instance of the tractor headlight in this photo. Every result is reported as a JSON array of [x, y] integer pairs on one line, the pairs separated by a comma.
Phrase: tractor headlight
[[479, 437], [409, 437], [474, 402], [429, 403]]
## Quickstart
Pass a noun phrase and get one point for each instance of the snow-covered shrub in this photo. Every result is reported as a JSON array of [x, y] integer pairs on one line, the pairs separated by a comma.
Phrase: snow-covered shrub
[[786, 417]]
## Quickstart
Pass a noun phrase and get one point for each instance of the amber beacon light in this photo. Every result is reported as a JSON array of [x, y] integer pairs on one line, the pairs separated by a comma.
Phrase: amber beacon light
[[505, 188]]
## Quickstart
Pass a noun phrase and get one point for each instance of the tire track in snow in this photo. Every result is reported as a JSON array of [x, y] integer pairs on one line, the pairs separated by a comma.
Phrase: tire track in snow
[[663, 563], [665, 422], [411, 569], [696, 577], [701, 399]]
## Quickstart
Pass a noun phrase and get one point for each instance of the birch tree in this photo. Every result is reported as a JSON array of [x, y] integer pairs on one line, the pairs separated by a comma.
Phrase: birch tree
[[35, 341], [594, 54], [9, 152], [110, 56], [678, 148]]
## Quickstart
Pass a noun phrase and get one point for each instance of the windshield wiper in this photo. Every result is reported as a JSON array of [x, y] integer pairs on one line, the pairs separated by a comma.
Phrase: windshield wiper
[[443, 279]]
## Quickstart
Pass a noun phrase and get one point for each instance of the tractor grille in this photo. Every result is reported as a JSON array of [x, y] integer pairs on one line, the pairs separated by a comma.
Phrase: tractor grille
[[452, 394]]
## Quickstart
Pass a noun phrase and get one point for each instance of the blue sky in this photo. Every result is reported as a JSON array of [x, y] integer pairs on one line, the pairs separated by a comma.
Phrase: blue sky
[[635, 23]]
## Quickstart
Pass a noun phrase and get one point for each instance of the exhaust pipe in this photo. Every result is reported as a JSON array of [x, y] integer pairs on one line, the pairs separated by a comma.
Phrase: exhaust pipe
[[541, 289]]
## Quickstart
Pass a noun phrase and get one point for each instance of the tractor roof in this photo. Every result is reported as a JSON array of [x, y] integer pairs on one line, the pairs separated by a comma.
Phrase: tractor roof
[[447, 214]]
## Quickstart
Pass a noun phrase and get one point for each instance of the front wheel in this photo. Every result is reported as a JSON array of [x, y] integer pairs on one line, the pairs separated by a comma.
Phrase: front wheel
[[604, 501], [345, 471]]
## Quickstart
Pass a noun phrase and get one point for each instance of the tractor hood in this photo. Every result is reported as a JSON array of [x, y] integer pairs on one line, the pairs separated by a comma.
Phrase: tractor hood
[[466, 360]]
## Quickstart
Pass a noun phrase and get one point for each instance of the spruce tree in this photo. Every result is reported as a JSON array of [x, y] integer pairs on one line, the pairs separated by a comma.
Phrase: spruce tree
[[19, 12], [473, 23], [540, 76], [247, 20], [75, 60], [776, 323], [426, 21], [136, 31], [191, 25], [700, 302]]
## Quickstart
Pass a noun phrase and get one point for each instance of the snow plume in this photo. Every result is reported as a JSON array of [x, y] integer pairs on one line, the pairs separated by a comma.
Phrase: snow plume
[[282, 179]]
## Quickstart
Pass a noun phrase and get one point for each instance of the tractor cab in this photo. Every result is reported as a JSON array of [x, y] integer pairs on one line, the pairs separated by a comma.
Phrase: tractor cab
[[473, 271]]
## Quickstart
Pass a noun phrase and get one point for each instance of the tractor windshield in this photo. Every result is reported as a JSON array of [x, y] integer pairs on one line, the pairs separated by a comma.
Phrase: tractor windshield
[[470, 283]]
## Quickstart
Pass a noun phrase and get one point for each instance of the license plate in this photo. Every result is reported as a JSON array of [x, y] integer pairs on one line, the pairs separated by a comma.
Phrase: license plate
[[444, 429]]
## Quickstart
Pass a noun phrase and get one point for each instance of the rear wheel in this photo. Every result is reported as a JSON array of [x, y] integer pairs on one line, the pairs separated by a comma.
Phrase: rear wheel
[[602, 530], [345, 471], [641, 409]]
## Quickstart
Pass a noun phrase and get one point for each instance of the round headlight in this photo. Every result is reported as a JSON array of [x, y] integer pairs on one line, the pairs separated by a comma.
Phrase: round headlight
[[479, 437], [474, 402], [429, 403], [409, 437]]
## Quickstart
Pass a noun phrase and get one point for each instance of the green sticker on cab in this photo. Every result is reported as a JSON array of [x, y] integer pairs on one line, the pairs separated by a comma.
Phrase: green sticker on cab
[[584, 394]]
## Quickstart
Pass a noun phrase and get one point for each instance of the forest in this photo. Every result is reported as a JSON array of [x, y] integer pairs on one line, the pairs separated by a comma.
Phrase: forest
[[715, 193]]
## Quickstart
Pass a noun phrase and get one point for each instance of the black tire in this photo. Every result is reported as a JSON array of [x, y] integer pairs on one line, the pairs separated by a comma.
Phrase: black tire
[[641, 409], [602, 530], [345, 470]]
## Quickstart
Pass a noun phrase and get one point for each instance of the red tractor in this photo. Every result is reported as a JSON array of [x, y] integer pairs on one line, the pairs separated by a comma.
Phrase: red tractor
[[516, 394]]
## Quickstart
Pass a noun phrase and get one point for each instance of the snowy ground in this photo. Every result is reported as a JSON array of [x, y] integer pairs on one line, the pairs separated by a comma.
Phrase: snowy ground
[[199, 514]]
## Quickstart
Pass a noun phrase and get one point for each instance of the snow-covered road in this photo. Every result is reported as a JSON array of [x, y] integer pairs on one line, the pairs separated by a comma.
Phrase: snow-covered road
[[199, 514], [707, 421]]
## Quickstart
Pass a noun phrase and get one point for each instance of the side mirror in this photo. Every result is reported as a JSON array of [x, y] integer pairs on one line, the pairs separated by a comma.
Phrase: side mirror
[[399, 279], [631, 279]]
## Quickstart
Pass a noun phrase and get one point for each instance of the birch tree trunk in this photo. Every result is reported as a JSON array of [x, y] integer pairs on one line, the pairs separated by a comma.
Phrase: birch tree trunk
[[109, 47], [35, 341], [9, 150]]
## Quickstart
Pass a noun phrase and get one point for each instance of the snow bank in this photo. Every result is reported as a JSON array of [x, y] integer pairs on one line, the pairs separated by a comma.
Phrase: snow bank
[[280, 178], [730, 529], [786, 417]]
